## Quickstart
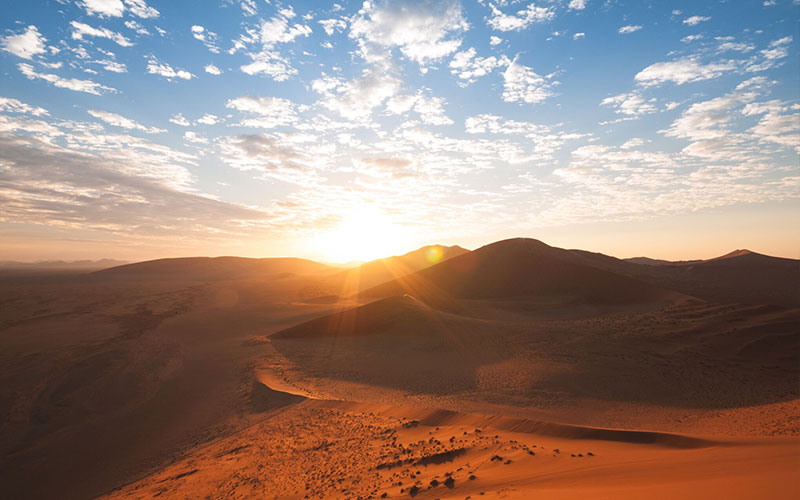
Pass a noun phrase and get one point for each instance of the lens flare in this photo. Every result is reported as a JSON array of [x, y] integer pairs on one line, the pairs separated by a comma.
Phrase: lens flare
[[434, 254]]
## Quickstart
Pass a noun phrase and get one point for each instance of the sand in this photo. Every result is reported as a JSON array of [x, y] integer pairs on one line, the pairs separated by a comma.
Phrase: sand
[[247, 378], [329, 450]]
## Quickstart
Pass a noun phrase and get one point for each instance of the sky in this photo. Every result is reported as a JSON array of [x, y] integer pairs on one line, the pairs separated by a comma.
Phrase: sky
[[137, 129]]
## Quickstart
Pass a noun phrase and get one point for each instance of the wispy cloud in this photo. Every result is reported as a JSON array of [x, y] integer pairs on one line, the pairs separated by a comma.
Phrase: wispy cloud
[[122, 122], [75, 84]]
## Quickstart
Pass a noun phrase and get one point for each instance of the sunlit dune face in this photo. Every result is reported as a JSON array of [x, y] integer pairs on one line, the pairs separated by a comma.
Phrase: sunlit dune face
[[362, 236]]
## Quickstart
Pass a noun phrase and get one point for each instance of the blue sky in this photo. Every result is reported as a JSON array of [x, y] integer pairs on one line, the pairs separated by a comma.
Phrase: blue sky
[[345, 130]]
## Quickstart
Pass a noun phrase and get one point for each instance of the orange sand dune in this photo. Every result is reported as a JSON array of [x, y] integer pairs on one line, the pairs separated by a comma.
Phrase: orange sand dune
[[340, 450]]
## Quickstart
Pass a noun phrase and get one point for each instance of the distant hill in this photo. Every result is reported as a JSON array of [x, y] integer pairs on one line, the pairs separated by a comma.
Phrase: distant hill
[[382, 270], [659, 262], [58, 265], [213, 268], [516, 268], [740, 276]]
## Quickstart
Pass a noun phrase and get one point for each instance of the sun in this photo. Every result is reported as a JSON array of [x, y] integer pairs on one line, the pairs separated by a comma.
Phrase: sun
[[363, 235]]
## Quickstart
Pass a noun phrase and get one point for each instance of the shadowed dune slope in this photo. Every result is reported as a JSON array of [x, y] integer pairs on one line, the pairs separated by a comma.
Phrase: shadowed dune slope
[[520, 267], [373, 318], [212, 268]]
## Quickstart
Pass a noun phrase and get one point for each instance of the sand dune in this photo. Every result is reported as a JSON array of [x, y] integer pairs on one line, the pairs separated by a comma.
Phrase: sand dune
[[369, 451], [520, 267], [208, 268], [12, 267], [685, 355], [185, 378], [739, 276], [382, 270]]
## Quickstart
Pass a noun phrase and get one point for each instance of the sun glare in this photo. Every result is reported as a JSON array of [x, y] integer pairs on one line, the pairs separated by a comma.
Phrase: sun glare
[[362, 236]]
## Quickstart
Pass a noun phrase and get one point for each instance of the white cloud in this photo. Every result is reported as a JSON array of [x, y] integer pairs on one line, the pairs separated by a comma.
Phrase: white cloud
[[112, 66], [430, 109], [630, 104], [355, 99], [125, 185], [138, 28], [682, 71], [278, 30], [249, 7], [209, 38], [179, 119], [522, 84], [423, 30], [780, 123], [26, 44], [193, 137], [577, 36], [523, 18], [577, 4], [631, 28], [781, 41], [87, 86], [735, 46], [770, 57], [79, 30], [122, 122], [141, 9], [777, 49], [636, 142], [115, 8], [271, 64], [333, 25], [104, 8], [276, 156], [707, 119], [495, 40], [208, 119], [546, 140], [271, 32], [210, 68], [11, 105], [695, 20], [163, 69], [468, 67], [270, 112]]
